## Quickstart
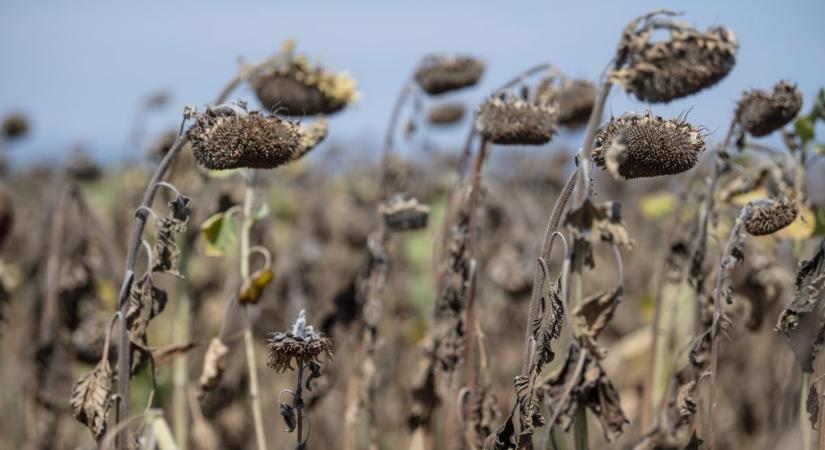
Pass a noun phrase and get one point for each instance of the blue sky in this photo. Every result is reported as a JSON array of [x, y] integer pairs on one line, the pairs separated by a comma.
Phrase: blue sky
[[79, 69]]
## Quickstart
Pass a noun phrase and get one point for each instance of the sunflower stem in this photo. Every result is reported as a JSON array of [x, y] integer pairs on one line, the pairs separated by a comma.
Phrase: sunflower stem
[[124, 346], [249, 344]]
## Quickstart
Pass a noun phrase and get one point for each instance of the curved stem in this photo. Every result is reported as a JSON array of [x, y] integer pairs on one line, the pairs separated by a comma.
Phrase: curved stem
[[387, 150], [123, 358]]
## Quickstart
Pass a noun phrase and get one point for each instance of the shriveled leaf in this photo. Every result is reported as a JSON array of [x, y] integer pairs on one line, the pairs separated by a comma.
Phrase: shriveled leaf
[[181, 210], [253, 287], [214, 364], [695, 443], [288, 414], [547, 326], [598, 222], [90, 398], [596, 311], [812, 405], [166, 251], [503, 438], [146, 301], [802, 321]]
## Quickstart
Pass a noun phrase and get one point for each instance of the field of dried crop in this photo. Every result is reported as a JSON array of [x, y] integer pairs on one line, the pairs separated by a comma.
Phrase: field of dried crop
[[661, 285]]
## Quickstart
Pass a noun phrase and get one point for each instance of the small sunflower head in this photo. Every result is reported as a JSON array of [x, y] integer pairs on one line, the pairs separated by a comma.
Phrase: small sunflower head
[[512, 121], [403, 213], [769, 216], [15, 125], [302, 344], [761, 112], [231, 138], [682, 65], [439, 74], [445, 114], [645, 145], [298, 88], [573, 98]]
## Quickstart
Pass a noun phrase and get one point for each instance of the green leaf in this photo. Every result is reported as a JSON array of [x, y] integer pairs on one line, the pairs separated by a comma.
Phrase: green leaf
[[220, 233], [262, 212], [819, 228], [804, 129]]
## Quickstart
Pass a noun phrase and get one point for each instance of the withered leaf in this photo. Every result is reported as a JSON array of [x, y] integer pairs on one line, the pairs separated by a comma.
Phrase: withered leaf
[[685, 405], [288, 414], [802, 321], [547, 326], [166, 250], [812, 405], [146, 301], [695, 443], [503, 437], [596, 311], [214, 363], [181, 211], [314, 373], [90, 398], [592, 389], [253, 287], [598, 222]]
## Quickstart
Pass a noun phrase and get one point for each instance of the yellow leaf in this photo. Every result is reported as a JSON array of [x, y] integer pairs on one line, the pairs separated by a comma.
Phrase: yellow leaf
[[658, 205], [253, 287]]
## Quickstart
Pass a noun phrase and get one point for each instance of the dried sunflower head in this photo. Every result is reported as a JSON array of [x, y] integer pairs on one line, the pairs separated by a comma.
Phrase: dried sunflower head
[[762, 112], [230, 139], [445, 114], [439, 74], [512, 121], [311, 136], [769, 216], [684, 64], [403, 213], [15, 125], [303, 344], [298, 88], [652, 146], [573, 98]]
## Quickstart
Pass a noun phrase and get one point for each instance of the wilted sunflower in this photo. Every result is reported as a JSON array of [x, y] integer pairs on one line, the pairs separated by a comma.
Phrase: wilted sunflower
[[402, 213], [298, 88], [769, 216], [303, 345], [683, 65], [228, 138], [512, 121], [762, 112], [445, 114], [573, 98], [439, 74], [311, 136], [15, 125], [634, 146]]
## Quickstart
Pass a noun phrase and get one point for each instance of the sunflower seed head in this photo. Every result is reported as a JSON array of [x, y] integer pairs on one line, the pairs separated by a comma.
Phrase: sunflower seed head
[[511, 121], [439, 74], [403, 213], [231, 141], [761, 112], [311, 136], [302, 344], [15, 125], [299, 88], [445, 114], [770, 215], [682, 65], [573, 98], [653, 146]]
